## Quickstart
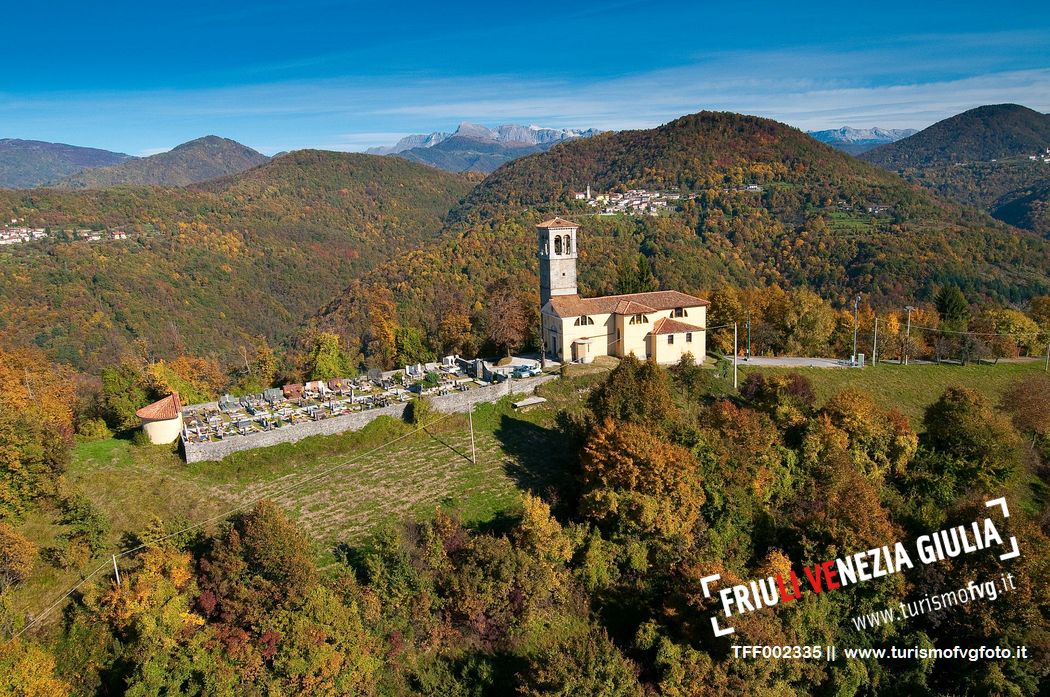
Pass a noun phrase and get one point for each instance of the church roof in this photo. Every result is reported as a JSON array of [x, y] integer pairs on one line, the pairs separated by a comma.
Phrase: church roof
[[666, 325], [629, 304], [167, 408], [557, 223], [630, 307]]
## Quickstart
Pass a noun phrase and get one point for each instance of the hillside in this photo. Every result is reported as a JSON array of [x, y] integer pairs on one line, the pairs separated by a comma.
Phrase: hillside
[[977, 135], [207, 267], [28, 163], [1027, 207], [198, 160], [808, 224], [980, 158]]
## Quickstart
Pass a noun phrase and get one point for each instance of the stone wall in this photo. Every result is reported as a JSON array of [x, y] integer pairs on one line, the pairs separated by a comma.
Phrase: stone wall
[[455, 402]]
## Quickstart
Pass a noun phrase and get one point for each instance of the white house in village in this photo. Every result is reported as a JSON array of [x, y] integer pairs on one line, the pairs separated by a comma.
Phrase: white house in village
[[663, 325]]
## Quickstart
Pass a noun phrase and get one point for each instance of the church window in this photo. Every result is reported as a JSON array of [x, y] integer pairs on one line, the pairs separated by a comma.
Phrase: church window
[[670, 338], [639, 319], [688, 337], [679, 312], [557, 244], [568, 244], [583, 320]]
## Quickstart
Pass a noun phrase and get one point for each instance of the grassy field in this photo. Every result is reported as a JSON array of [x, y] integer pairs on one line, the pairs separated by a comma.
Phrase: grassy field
[[339, 488], [911, 388]]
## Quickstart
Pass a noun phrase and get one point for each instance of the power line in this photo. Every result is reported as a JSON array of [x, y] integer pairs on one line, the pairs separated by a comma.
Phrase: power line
[[950, 331], [47, 611], [280, 492]]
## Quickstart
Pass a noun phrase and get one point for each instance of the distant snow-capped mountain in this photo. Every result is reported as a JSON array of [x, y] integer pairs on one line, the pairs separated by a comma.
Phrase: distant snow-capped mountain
[[858, 140], [507, 134]]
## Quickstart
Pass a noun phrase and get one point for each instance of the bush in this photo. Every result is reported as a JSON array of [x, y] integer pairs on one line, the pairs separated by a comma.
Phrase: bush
[[94, 429], [139, 438], [419, 412], [88, 525], [17, 556]]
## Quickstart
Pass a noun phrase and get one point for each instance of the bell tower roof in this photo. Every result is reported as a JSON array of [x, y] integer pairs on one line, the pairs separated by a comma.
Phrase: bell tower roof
[[557, 223]]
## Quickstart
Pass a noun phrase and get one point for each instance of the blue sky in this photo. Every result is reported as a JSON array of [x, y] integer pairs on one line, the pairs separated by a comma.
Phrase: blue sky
[[141, 77]]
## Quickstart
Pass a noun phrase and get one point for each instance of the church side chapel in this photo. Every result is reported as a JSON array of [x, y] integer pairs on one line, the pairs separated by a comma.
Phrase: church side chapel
[[663, 325]]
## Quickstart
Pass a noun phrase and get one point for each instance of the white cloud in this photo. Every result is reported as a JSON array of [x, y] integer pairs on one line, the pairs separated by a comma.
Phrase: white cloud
[[903, 82]]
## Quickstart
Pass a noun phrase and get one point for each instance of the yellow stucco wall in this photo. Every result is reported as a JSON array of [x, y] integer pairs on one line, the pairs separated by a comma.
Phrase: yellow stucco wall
[[162, 431], [614, 335], [671, 353]]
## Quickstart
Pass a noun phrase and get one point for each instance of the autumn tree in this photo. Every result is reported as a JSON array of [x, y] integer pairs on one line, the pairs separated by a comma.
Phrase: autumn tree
[[505, 317], [259, 367], [637, 483], [835, 505], [805, 323], [261, 562], [587, 665], [327, 359], [28, 670], [36, 428], [195, 378], [1039, 311], [880, 443], [635, 391], [727, 307], [17, 556], [962, 425], [124, 391], [1027, 401]]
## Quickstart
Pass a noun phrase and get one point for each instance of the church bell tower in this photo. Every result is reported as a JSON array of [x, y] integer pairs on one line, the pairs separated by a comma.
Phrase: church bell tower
[[557, 255]]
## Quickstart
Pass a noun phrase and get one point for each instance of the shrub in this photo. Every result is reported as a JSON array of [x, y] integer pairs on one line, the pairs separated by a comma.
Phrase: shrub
[[419, 412], [94, 429]]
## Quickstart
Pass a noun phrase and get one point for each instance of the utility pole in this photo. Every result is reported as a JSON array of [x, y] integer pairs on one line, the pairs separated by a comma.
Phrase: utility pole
[[748, 358], [470, 420], [735, 353], [856, 309], [875, 344], [116, 571], [907, 340]]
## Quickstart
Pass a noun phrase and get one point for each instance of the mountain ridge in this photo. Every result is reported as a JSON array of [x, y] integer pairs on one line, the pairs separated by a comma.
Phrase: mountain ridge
[[503, 133], [991, 157], [209, 267], [194, 161], [476, 148], [858, 140], [980, 134], [25, 164]]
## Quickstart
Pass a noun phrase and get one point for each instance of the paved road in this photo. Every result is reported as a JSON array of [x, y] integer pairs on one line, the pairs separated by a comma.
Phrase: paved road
[[794, 362]]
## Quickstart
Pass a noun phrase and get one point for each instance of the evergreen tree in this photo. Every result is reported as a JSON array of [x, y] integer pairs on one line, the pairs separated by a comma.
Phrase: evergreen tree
[[953, 308]]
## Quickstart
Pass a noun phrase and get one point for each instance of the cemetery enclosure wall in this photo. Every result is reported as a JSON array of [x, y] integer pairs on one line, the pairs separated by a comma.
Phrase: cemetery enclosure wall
[[450, 403]]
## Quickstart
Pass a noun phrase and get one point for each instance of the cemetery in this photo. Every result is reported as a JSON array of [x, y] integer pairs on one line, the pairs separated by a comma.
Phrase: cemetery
[[323, 407]]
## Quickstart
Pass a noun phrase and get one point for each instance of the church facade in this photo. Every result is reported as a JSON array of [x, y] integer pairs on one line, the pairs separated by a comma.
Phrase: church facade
[[663, 325]]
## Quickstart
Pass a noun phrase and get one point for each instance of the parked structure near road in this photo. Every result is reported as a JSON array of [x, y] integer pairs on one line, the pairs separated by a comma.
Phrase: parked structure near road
[[663, 325], [162, 420]]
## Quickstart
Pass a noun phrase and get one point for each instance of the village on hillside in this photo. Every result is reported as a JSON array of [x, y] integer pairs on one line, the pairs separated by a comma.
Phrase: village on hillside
[[16, 232]]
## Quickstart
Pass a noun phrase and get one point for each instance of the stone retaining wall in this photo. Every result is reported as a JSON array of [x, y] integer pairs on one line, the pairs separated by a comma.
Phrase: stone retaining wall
[[450, 403]]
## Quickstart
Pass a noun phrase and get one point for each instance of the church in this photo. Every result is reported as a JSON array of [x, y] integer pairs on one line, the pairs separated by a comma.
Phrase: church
[[663, 325]]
